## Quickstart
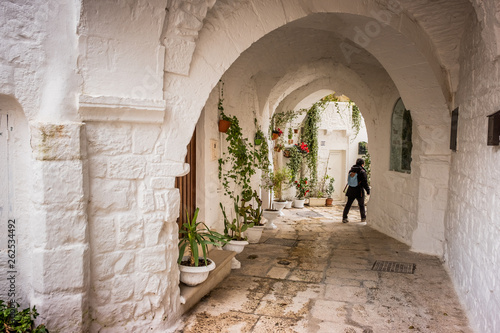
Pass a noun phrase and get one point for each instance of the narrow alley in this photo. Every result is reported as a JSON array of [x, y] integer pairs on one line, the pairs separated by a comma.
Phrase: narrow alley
[[316, 274]]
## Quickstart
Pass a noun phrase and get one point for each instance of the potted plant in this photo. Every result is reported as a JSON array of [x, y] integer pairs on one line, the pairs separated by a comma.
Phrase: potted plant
[[233, 230], [194, 235], [279, 178], [276, 133], [329, 189], [254, 219], [302, 188], [224, 120], [259, 137], [278, 147]]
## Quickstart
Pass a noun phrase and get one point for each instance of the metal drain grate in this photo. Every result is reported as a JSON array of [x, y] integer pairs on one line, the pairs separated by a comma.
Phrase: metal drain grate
[[394, 267], [282, 242]]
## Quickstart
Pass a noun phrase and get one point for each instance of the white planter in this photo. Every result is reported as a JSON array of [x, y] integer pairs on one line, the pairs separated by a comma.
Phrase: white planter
[[288, 204], [317, 202], [279, 205], [193, 276], [270, 216], [236, 246], [299, 203], [253, 234]]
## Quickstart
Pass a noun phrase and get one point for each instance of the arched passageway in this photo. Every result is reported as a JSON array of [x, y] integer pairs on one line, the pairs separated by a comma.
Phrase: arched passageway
[[138, 75]]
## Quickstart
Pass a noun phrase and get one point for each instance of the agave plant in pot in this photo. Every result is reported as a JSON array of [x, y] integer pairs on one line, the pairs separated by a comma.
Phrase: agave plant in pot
[[195, 235]]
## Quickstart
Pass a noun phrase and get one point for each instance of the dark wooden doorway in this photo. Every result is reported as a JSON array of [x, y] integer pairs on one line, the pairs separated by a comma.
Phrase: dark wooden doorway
[[187, 184]]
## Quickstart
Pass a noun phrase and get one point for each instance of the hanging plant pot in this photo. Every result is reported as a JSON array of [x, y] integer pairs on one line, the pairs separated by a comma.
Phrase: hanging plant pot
[[224, 125], [286, 153], [290, 141], [295, 130], [257, 142], [275, 136]]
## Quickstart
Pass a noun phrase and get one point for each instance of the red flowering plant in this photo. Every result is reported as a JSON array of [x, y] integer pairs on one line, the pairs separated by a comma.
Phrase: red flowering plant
[[277, 131], [303, 148], [302, 188]]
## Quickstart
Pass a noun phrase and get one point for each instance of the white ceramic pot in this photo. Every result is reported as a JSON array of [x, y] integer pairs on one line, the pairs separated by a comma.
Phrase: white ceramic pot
[[235, 245], [288, 204], [270, 216], [253, 234], [299, 203], [193, 276], [279, 205]]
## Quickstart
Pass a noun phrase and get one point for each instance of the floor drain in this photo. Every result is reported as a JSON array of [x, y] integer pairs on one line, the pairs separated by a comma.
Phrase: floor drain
[[282, 242], [394, 267]]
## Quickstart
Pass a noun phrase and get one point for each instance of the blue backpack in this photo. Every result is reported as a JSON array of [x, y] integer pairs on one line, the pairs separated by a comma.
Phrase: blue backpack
[[352, 179]]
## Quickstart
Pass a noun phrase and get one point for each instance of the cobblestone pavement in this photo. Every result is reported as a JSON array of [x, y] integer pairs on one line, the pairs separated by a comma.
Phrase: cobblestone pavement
[[326, 283]]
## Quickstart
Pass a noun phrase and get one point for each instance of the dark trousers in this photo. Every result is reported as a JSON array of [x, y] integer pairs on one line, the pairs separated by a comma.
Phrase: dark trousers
[[361, 203]]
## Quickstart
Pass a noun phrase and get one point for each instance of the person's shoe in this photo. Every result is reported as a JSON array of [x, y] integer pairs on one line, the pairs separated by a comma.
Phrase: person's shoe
[[363, 219], [345, 220]]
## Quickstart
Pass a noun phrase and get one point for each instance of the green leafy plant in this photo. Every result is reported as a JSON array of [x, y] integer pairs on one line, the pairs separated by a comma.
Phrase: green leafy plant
[[295, 162], [12, 320], [194, 235], [329, 188], [276, 180], [368, 163]]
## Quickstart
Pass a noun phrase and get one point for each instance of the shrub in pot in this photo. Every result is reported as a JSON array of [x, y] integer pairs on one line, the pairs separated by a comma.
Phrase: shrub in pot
[[196, 235]]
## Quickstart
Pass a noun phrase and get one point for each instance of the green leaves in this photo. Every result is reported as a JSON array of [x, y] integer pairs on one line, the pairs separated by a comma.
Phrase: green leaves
[[13, 320], [195, 235]]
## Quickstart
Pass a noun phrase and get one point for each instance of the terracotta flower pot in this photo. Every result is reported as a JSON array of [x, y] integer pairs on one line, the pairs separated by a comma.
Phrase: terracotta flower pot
[[275, 136], [224, 125], [329, 202]]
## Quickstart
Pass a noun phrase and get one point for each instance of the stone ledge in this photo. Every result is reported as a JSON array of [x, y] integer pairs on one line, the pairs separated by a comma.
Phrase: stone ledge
[[192, 295], [112, 108]]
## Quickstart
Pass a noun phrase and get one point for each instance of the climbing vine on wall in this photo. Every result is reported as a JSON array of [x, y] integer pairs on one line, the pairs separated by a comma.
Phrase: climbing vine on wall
[[310, 135]]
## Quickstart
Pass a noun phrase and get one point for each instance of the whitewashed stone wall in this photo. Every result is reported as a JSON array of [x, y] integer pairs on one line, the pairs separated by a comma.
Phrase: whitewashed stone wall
[[133, 207], [472, 220]]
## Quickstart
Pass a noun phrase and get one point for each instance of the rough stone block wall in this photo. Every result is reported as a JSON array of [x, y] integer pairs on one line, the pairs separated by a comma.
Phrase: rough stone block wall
[[472, 220], [132, 217]]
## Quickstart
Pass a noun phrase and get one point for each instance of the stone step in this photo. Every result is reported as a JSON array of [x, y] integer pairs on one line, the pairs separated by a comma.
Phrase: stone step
[[192, 295]]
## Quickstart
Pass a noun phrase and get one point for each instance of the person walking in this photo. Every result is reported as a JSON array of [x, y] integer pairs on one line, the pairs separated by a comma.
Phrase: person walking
[[357, 183]]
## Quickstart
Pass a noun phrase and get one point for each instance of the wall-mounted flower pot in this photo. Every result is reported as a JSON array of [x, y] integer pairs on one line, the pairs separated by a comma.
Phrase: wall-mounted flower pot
[[286, 153], [257, 142], [224, 125], [295, 130], [275, 136]]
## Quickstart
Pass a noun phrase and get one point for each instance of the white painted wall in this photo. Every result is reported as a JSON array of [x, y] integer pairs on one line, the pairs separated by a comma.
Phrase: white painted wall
[[473, 217]]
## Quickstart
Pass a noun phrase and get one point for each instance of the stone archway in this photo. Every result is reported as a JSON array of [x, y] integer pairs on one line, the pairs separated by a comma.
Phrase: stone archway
[[414, 69]]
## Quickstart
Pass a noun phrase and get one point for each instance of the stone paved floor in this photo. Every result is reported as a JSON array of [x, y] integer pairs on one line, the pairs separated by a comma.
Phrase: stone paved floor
[[325, 284]]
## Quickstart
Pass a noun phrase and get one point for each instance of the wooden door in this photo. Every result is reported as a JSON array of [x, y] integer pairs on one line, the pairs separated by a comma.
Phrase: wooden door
[[187, 184]]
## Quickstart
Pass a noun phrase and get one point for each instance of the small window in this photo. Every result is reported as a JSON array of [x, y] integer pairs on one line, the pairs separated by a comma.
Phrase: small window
[[401, 128]]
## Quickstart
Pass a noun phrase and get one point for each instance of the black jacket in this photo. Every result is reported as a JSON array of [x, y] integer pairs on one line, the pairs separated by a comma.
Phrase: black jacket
[[358, 191]]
